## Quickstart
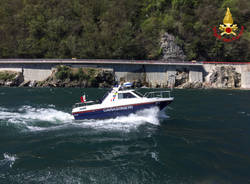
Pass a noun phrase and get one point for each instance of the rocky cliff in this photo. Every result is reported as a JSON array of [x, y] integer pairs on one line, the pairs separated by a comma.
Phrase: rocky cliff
[[222, 77], [170, 50]]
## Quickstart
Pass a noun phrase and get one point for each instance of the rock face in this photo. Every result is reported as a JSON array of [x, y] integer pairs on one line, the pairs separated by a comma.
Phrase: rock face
[[223, 77], [181, 78], [182, 81], [170, 50], [10, 78]]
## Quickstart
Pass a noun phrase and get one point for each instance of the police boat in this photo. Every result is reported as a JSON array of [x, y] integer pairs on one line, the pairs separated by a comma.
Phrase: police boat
[[120, 101]]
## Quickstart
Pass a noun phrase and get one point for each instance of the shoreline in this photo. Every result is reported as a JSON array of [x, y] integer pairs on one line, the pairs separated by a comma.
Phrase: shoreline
[[168, 75], [207, 89]]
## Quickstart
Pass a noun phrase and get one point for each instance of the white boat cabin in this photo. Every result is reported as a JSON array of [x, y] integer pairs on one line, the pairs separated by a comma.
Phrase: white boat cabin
[[120, 94]]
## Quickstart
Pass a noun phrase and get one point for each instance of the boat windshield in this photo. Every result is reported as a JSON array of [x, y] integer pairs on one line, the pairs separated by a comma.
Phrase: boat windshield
[[105, 95], [138, 93]]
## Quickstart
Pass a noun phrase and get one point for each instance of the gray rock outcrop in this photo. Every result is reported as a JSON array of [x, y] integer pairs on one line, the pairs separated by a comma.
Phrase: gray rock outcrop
[[181, 78], [223, 77], [10, 78], [170, 50]]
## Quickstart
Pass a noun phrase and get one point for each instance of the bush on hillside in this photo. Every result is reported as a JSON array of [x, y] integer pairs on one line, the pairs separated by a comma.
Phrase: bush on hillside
[[7, 76], [63, 72]]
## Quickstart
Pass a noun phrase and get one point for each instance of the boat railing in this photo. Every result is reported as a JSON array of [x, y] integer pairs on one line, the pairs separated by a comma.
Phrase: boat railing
[[158, 94], [83, 104], [79, 105]]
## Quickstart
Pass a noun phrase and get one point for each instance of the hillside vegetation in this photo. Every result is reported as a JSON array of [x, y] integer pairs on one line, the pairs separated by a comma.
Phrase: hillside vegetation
[[119, 29]]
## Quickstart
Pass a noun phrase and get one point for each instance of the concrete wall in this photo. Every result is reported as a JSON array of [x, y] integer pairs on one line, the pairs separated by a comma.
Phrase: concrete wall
[[31, 74], [245, 77], [128, 72], [155, 74], [195, 76], [9, 67]]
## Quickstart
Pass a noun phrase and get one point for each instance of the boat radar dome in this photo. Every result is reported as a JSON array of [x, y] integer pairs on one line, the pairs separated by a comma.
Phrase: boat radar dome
[[127, 84]]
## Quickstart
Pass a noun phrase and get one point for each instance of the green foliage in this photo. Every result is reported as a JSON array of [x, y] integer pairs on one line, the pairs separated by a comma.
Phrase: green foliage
[[93, 82], [91, 72], [7, 76], [63, 72], [81, 75], [66, 73], [124, 29]]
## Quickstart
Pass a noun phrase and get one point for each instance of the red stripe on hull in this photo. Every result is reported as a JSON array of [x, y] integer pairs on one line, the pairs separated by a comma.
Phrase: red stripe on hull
[[112, 107]]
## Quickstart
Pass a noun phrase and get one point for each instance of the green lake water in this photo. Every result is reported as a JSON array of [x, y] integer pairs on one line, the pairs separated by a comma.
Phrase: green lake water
[[202, 137]]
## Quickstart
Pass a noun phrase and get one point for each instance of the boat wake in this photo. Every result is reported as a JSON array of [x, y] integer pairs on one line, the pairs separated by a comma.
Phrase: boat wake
[[8, 160], [30, 114], [125, 123], [45, 119], [34, 119]]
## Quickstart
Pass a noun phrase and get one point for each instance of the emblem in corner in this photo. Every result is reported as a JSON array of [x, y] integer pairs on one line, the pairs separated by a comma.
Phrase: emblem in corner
[[228, 29]]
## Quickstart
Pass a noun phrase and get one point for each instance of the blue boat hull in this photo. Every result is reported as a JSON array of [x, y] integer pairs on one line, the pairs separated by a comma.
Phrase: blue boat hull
[[118, 111]]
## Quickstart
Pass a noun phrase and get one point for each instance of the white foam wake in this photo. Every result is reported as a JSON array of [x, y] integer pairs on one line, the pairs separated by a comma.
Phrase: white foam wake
[[125, 123], [31, 114], [8, 159], [31, 117], [45, 119]]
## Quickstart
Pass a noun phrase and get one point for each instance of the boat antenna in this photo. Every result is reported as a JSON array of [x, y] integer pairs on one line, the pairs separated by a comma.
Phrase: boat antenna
[[116, 83]]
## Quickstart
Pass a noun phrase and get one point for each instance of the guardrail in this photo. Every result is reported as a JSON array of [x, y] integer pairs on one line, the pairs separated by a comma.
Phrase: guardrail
[[113, 61], [229, 63], [95, 61]]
